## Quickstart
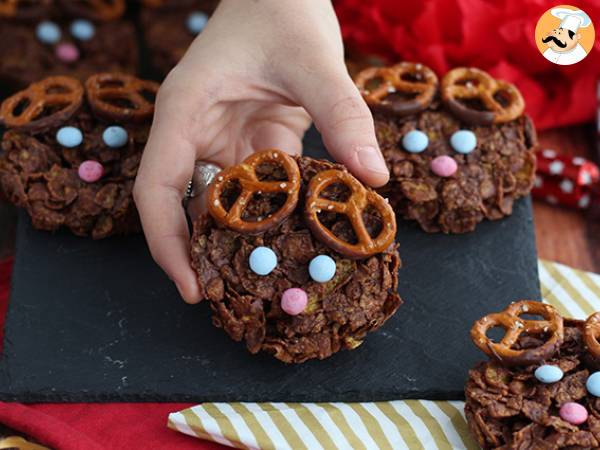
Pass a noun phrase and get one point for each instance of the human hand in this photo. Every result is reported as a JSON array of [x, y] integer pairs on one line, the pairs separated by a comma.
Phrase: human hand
[[248, 82]]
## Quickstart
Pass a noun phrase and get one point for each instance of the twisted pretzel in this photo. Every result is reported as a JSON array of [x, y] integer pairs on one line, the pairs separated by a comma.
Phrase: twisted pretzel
[[422, 85], [103, 10], [591, 334], [245, 174], [24, 9], [353, 209], [473, 84], [118, 96], [510, 320], [43, 104]]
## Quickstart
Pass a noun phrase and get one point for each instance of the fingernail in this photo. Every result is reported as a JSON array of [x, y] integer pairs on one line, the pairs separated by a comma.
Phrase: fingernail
[[371, 158]]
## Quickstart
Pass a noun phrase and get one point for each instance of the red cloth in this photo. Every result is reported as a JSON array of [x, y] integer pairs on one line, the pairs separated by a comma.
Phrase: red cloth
[[497, 36], [94, 426]]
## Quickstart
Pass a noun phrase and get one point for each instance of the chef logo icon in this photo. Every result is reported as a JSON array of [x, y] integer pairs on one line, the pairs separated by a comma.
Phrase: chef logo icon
[[564, 35]]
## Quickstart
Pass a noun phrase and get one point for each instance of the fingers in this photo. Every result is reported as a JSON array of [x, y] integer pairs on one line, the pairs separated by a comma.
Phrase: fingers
[[164, 172], [346, 124], [283, 131]]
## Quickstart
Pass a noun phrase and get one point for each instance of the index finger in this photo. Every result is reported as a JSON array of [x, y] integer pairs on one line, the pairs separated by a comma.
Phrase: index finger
[[165, 169]]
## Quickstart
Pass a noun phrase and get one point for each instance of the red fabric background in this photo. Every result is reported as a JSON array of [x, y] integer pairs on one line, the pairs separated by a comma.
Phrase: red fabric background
[[93, 426], [495, 35]]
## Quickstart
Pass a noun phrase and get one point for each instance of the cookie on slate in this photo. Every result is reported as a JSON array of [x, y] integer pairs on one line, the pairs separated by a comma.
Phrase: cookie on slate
[[71, 151], [170, 26], [296, 256], [540, 388], [459, 152], [64, 37]]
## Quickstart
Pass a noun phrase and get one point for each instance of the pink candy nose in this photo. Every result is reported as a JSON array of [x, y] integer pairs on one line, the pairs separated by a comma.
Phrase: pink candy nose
[[294, 301], [444, 166], [67, 52], [90, 171]]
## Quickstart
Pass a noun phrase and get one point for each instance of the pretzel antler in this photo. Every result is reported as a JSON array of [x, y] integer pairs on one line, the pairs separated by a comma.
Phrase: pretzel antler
[[473, 84], [591, 334], [245, 174], [43, 104], [102, 10], [24, 9], [515, 326], [118, 96], [411, 85], [353, 209]]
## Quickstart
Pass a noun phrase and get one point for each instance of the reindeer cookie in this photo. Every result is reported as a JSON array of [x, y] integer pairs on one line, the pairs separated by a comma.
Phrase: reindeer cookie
[[540, 389], [63, 37], [458, 151], [71, 151], [170, 26], [296, 256]]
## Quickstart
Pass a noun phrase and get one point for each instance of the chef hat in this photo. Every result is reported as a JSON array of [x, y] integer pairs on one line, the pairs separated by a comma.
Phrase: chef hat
[[571, 19]]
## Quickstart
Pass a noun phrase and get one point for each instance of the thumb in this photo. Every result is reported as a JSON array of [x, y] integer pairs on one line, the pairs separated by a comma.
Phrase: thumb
[[346, 125]]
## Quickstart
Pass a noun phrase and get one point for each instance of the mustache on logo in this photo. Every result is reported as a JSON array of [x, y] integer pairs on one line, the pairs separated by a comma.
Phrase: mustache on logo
[[558, 42]]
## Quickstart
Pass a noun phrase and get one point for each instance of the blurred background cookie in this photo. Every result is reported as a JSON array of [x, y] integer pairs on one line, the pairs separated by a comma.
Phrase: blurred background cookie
[[64, 37], [170, 26], [296, 256], [71, 151], [458, 153]]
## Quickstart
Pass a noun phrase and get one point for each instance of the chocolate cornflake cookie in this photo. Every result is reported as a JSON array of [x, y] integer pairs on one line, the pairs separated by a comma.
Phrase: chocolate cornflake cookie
[[457, 153], [296, 256], [71, 152], [41, 38], [540, 388], [170, 26]]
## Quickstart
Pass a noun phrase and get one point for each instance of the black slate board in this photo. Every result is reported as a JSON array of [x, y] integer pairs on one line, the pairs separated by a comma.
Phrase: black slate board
[[98, 321]]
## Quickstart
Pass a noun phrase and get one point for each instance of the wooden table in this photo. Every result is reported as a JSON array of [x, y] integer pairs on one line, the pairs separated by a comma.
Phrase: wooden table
[[563, 235]]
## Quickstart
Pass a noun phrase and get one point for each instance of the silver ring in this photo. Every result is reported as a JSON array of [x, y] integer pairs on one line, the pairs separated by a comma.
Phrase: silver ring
[[203, 175]]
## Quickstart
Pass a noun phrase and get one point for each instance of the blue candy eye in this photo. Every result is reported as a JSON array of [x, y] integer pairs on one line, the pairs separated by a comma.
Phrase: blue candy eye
[[83, 29], [321, 268], [463, 141], [593, 384], [48, 32], [115, 136], [548, 373], [69, 137], [196, 22], [262, 260], [415, 141]]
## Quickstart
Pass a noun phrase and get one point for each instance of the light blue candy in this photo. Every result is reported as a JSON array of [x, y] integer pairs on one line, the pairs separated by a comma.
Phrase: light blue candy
[[83, 29], [115, 136], [48, 32], [69, 136], [463, 141], [262, 260], [549, 374], [196, 22], [415, 141], [593, 384], [321, 268]]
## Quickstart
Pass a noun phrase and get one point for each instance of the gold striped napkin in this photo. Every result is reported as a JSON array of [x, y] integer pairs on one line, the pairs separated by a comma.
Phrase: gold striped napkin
[[402, 424]]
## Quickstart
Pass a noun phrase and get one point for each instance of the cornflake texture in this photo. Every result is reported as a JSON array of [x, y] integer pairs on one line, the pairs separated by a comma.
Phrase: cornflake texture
[[340, 312]]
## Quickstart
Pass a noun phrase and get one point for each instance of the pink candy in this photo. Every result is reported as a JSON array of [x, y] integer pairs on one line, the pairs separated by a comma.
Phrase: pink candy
[[444, 166], [90, 171], [573, 413], [67, 52], [294, 301]]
